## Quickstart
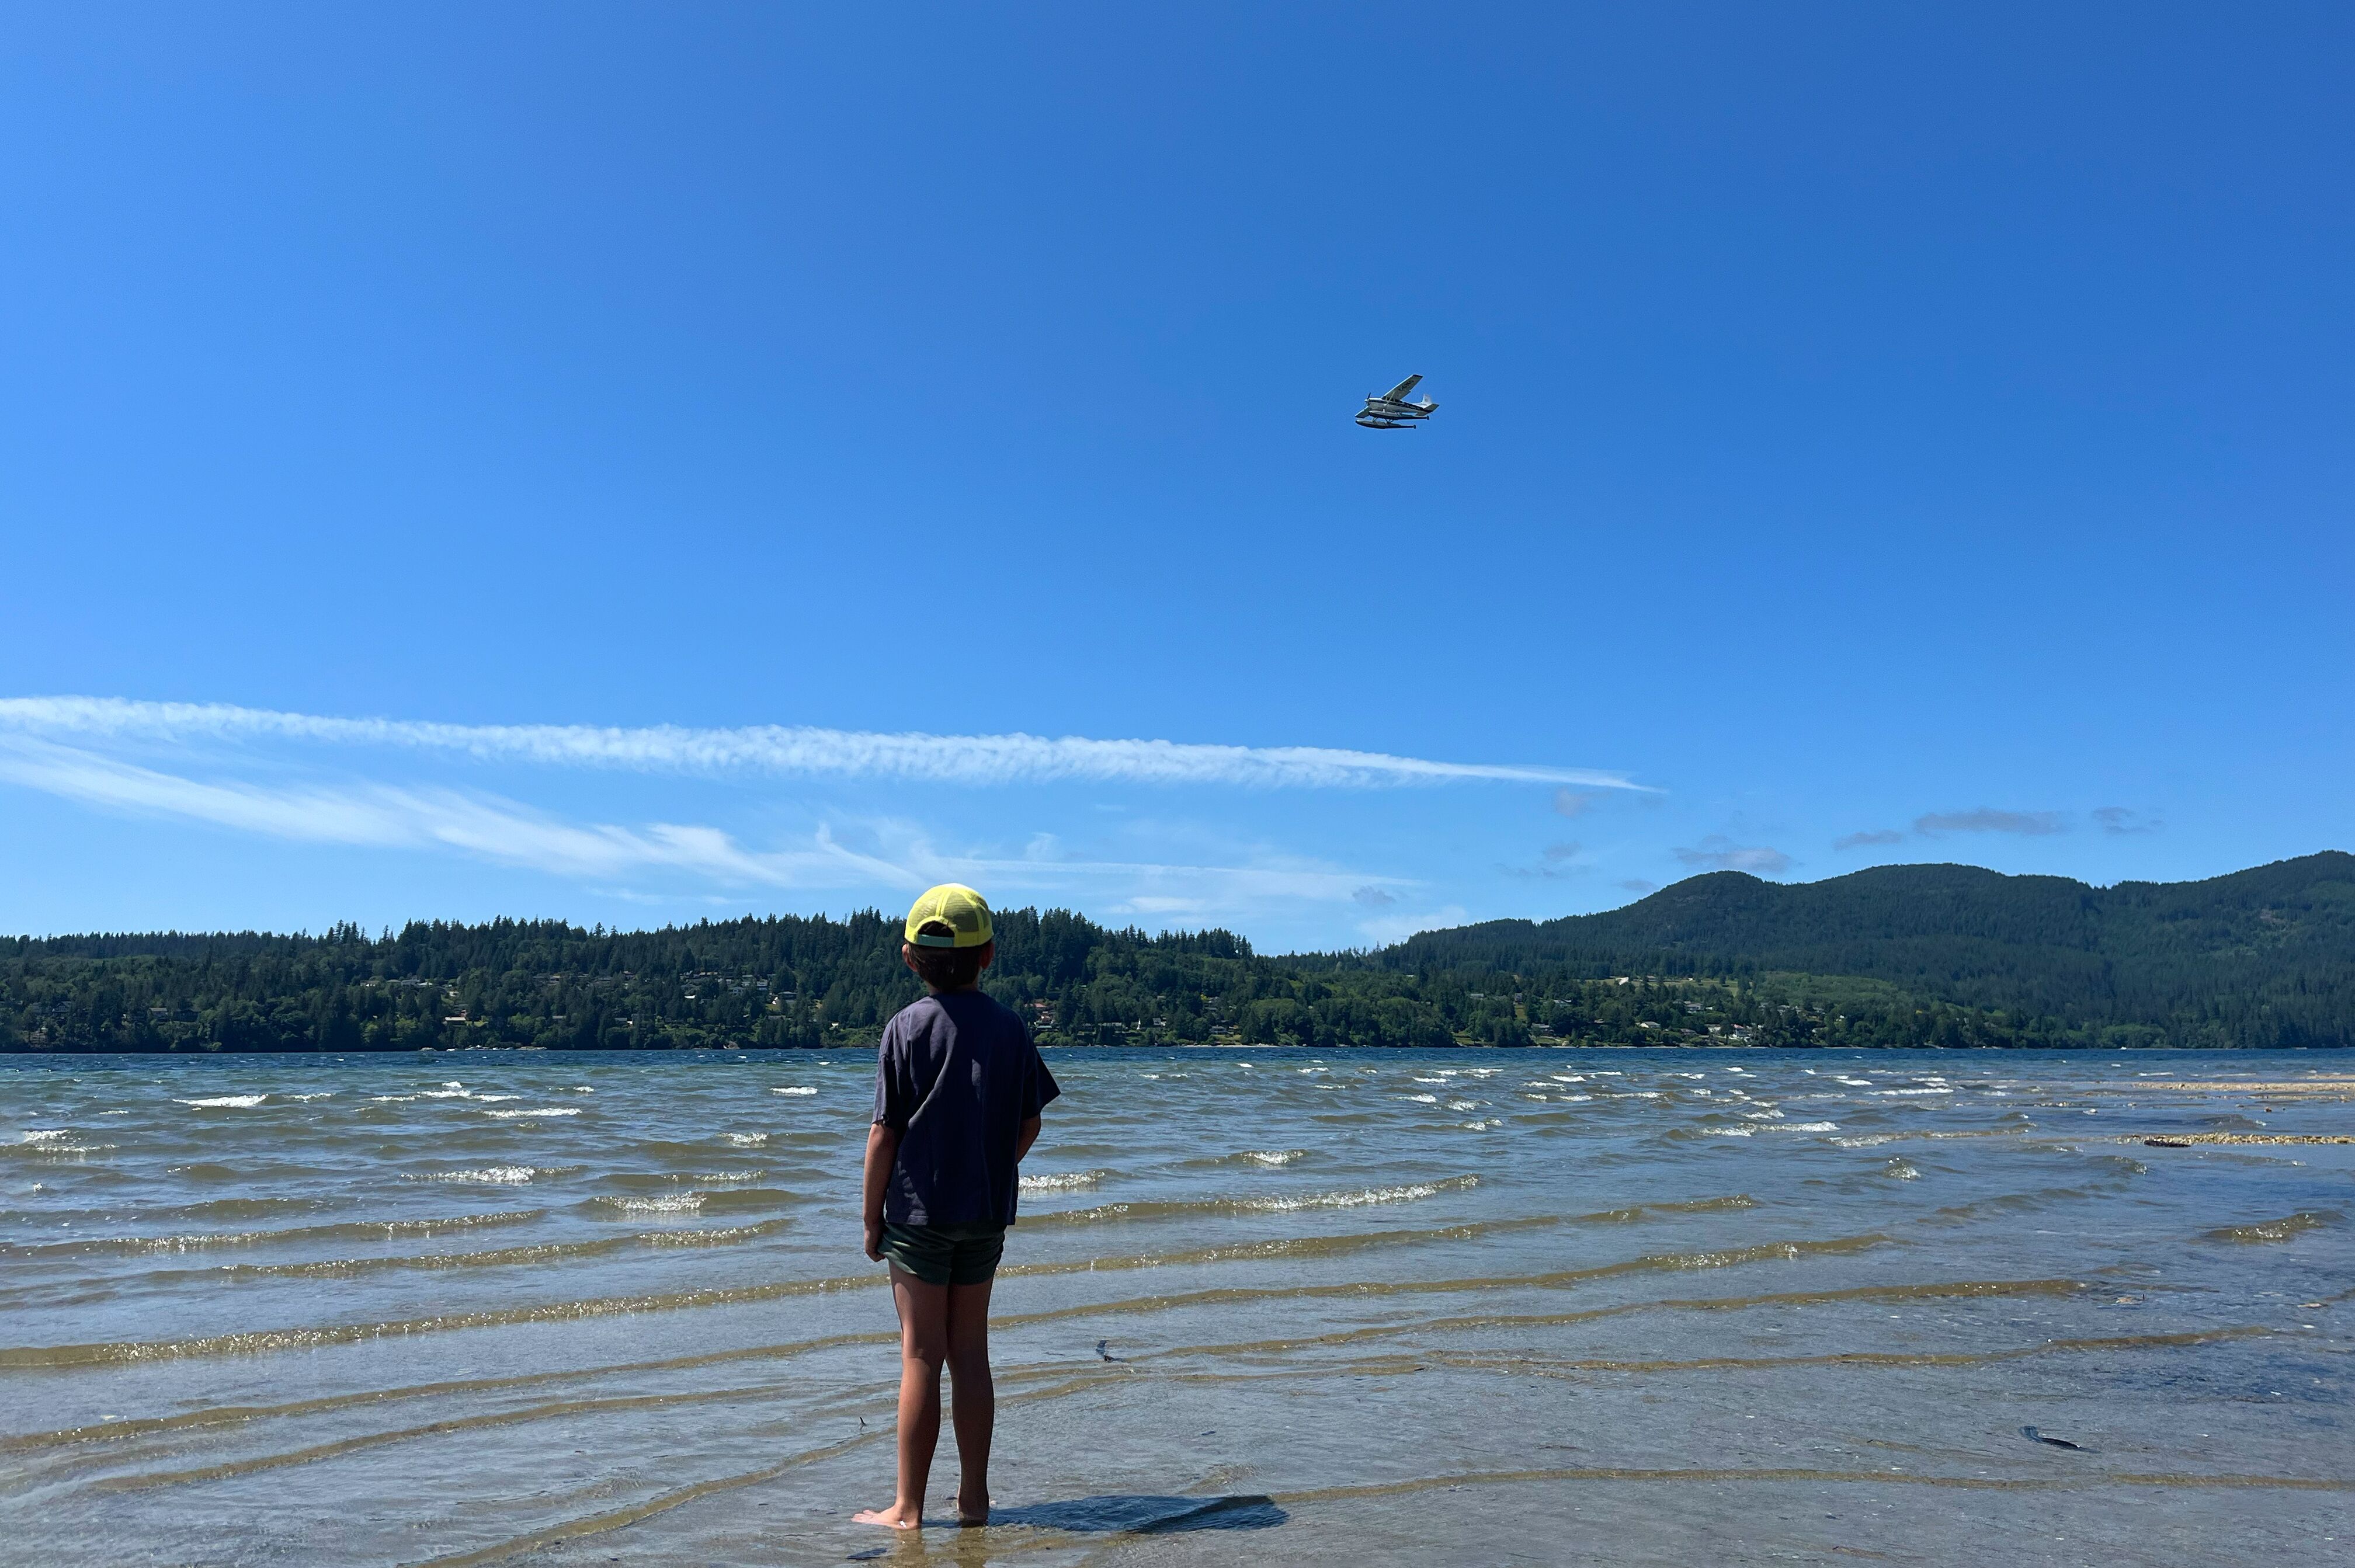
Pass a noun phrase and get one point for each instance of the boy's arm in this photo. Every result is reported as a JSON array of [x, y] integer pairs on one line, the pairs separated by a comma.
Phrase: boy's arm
[[882, 1153], [1029, 1136]]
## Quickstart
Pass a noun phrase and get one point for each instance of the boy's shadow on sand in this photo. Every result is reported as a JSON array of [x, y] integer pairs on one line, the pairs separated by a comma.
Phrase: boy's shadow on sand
[[1130, 1513]]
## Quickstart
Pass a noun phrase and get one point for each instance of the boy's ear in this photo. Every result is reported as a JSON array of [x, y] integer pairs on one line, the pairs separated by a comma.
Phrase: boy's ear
[[988, 953], [908, 956]]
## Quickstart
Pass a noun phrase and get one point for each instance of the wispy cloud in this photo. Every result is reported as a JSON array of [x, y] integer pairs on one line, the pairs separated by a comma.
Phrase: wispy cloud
[[787, 750], [1575, 802], [2118, 819], [487, 826], [390, 817], [1874, 835], [1986, 820], [1719, 853], [1557, 862]]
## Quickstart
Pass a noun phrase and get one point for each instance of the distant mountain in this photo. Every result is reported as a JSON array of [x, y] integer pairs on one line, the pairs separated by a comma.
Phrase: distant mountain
[[2265, 955]]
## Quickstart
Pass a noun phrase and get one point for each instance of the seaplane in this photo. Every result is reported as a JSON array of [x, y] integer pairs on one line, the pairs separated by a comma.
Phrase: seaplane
[[1391, 409]]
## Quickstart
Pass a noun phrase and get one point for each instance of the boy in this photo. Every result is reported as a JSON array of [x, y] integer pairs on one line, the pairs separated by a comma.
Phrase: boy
[[958, 1088]]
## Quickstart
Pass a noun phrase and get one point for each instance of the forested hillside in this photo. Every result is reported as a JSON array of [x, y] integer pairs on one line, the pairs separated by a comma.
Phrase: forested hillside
[[1943, 956], [2265, 955]]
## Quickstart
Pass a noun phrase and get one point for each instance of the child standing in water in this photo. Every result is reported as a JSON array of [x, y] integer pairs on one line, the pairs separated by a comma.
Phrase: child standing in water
[[958, 1088]]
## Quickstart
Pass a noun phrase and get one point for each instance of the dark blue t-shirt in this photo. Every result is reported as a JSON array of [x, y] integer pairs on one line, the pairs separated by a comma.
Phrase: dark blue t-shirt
[[956, 1077]]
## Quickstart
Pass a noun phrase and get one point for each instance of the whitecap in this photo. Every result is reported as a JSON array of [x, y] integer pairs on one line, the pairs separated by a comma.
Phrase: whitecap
[[678, 1203], [1422, 1099], [493, 1099], [1809, 1127], [545, 1111], [43, 1135], [1890, 1093], [1901, 1170], [1062, 1180], [1271, 1155], [322, 1094], [1729, 1132], [798, 1088], [1463, 1104], [494, 1175], [227, 1102], [1406, 1193], [747, 1140]]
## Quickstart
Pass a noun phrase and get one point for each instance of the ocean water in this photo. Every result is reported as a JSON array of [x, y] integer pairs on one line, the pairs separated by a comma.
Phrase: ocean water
[[1641, 1307]]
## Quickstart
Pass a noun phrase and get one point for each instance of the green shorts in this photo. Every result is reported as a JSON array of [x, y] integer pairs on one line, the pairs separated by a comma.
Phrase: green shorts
[[945, 1254]]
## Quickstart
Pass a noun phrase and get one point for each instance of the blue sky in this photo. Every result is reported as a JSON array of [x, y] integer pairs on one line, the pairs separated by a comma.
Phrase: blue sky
[[709, 439]]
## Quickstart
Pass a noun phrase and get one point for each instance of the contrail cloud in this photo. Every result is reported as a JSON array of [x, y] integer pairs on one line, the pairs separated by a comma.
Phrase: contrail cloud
[[794, 750]]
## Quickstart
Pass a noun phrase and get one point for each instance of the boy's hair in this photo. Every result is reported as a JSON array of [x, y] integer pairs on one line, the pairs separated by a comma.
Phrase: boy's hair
[[945, 968]]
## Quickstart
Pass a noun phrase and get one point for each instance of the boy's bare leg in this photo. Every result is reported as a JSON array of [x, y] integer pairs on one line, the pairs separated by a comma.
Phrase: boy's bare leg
[[975, 1406], [924, 1346]]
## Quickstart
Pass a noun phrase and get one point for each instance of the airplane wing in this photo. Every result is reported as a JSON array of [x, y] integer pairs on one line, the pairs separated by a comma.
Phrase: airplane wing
[[1398, 394]]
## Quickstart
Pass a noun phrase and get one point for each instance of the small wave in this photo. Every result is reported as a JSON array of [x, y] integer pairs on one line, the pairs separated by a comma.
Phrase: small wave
[[1729, 1132], [2281, 1230], [349, 1231], [712, 1236], [43, 1135], [747, 1140], [1422, 1099], [675, 1203], [544, 1111], [489, 1175], [1062, 1180], [797, 1089], [254, 1342], [1809, 1127], [227, 1102], [1463, 1104], [1891, 1094], [1900, 1170], [1273, 1157], [1406, 1193], [1868, 1140], [322, 1094]]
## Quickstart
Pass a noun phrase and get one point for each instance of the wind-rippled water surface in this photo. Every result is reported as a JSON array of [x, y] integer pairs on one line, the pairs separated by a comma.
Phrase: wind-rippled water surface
[[1473, 1306]]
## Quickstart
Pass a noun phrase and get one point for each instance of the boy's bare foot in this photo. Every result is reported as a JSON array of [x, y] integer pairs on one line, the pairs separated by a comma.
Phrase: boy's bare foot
[[898, 1516], [971, 1513]]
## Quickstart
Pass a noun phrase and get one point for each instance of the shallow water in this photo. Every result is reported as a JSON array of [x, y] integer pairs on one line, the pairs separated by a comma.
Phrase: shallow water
[[1472, 1307]]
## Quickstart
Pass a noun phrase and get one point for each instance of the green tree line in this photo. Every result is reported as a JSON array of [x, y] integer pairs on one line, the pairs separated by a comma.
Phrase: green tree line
[[1925, 955]]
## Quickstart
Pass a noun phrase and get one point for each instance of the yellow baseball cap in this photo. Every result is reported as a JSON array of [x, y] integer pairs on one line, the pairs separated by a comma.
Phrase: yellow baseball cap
[[956, 906]]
